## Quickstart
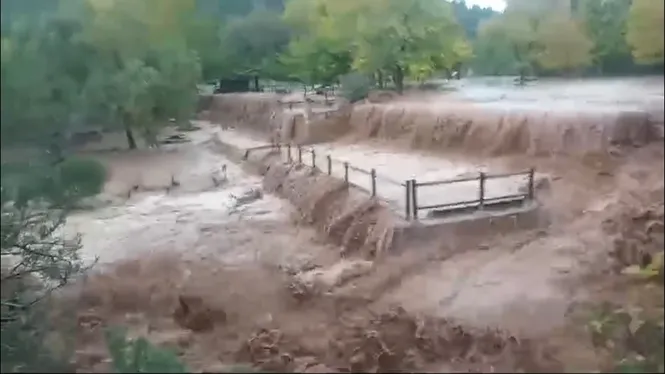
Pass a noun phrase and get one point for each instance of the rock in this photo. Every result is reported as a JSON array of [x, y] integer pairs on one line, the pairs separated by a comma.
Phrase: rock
[[336, 275], [192, 313]]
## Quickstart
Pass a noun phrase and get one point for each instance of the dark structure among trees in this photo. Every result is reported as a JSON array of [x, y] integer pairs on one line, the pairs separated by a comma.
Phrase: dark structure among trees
[[235, 84]]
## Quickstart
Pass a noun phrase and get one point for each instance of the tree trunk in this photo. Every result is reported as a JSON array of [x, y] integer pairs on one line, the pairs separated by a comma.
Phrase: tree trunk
[[130, 137], [458, 69], [398, 78], [256, 83], [379, 78]]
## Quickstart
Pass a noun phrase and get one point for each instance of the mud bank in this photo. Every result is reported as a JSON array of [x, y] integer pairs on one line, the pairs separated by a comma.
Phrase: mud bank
[[478, 129], [491, 131], [258, 112], [347, 216], [270, 116]]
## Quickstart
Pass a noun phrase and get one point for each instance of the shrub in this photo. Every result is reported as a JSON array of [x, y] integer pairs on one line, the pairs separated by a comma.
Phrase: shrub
[[81, 177], [139, 355]]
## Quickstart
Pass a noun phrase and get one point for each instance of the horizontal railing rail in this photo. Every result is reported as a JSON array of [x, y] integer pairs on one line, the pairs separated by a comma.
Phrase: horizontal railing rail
[[483, 200], [308, 156]]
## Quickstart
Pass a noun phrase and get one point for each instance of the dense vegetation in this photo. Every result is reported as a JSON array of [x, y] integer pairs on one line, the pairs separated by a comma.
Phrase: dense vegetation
[[560, 37]]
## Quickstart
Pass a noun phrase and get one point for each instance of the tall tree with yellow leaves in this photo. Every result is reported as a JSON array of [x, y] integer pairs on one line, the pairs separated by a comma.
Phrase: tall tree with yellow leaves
[[563, 44], [645, 30]]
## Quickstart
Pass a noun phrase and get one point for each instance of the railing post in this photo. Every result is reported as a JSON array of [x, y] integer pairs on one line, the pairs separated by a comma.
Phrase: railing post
[[329, 159], [288, 150], [407, 187], [531, 192], [299, 155], [481, 197], [313, 159], [346, 172], [414, 198], [372, 174]]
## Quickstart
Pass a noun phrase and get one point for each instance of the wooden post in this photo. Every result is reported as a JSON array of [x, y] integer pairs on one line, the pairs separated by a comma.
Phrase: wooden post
[[288, 149], [531, 191], [299, 155], [407, 211], [373, 176], [481, 193], [414, 198], [313, 159], [346, 172], [329, 164]]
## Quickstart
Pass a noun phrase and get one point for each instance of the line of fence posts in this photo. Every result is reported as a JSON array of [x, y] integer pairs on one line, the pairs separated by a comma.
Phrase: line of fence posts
[[346, 165], [411, 190], [411, 185]]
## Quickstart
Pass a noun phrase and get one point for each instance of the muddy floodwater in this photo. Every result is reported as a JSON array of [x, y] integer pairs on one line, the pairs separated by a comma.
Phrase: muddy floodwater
[[549, 94], [233, 223]]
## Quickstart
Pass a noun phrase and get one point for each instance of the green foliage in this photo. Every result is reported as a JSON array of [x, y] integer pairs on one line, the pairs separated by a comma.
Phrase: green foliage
[[471, 17], [37, 258], [404, 38], [645, 30], [355, 86], [145, 73], [139, 355], [33, 344], [84, 177], [563, 44], [252, 45], [634, 339], [605, 23]]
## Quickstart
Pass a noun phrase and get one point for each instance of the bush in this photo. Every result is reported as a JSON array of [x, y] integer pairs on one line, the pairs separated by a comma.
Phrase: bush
[[81, 177], [139, 355], [355, 86]]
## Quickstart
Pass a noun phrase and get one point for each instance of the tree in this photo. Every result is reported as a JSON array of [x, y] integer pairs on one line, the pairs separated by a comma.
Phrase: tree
[[471, 17], [145, 74], [409, 37], [563, 45], [44, 66], [512, 37], [252, 45], [605, 23], [645, 31], [317, 53]]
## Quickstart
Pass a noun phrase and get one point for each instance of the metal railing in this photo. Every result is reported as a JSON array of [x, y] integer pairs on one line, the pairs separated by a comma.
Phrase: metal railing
[[413, 187], [307, 156]]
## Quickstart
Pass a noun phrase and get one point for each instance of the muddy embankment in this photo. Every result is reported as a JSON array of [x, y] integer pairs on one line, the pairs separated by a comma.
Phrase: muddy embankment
[[275, 117], [488, 131], [347, 216], [473, 129]]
